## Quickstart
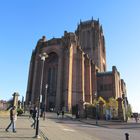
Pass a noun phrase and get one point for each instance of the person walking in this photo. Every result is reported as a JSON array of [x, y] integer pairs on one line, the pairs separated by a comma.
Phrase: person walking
[[31, 111], [34, 115], [13, 118], [58, 113], [62, 114]]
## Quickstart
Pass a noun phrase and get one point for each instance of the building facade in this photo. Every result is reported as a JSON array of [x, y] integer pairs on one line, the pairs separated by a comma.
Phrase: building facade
[[3, 105], [75, 70]]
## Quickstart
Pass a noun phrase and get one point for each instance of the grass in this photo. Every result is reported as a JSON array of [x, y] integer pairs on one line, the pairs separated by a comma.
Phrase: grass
[[4, 113]]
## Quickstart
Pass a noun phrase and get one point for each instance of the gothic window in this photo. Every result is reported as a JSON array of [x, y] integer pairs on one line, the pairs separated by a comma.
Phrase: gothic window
[[88, 39], [105, 87], [84, 39], [110, 86], [103, 49], [96, 39], [50, 80], [52, 73], [104, 67], [54, 80], [103, 44], [101, 87]]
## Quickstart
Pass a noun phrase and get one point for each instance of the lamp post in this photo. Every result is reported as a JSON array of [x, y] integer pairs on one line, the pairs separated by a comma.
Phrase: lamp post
[[125, 106], [43, 56], [46, 87], [96, 108]]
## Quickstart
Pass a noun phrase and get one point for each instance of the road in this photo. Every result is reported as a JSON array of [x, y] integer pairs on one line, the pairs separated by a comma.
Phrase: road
[[68, 129]]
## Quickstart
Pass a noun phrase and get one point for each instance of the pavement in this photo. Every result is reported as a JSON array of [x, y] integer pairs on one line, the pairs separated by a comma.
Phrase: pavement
[[48, 130], [115, 124], [52, 130], [55, 128], [24, 131]]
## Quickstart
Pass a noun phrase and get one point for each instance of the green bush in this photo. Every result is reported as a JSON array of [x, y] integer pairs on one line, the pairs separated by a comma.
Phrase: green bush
[[19, 111]]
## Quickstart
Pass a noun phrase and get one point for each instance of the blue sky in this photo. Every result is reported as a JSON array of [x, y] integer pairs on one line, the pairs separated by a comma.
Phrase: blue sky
[[23, 22]]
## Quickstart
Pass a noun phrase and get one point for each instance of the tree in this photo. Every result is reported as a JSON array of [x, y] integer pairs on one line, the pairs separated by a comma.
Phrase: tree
[[101, 99], [101, 107], [9, 103], [129, 111], [113, 104]]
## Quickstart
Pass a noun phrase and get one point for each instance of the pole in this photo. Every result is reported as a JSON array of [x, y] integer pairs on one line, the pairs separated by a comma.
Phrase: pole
[[96, 114], [126, 136], [40, 94], [96, 109], [45, 103]]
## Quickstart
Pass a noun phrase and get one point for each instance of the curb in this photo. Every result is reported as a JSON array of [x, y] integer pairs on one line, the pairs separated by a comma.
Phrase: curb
[[43, 135]]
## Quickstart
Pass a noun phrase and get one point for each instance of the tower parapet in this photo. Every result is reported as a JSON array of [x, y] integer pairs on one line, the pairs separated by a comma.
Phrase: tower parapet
[[69, 38], [91, 39]]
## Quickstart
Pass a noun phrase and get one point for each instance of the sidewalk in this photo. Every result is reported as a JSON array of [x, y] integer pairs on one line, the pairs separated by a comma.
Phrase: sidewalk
[[54, 130], [57, 130], [108, 124], [24, 131]]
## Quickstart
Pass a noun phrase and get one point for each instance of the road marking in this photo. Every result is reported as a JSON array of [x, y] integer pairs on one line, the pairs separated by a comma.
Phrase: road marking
[[70, 130], [89, 126]]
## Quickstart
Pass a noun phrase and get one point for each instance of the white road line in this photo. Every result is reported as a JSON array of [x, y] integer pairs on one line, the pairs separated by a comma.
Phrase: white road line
[[91, 126], [70, 130]]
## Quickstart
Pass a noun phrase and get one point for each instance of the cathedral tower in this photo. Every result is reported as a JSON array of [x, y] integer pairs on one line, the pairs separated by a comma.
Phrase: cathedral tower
[[91, 39]]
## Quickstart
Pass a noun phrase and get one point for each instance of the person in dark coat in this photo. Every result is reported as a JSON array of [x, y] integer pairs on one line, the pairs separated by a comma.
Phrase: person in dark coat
[[62, 114], [34, 115], [58, 113], [13, 118]]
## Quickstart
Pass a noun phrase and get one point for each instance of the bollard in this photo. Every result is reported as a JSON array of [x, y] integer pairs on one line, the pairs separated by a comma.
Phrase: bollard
[[127, 136]]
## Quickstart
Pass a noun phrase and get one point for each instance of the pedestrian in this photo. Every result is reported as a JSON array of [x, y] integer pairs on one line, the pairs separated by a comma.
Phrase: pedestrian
[[31, 111], [135, 115], [136, 119], [58, 113], [62, 114], [77, 114], [13, 118], [34, 115]]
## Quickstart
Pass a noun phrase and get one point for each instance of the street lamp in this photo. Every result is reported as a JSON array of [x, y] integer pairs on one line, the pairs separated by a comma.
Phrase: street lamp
[[125, 106], [46, 87], [43, 56], [96, 108]]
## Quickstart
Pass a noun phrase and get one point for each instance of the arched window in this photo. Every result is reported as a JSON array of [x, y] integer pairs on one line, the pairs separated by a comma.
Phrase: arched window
[[52, 64]]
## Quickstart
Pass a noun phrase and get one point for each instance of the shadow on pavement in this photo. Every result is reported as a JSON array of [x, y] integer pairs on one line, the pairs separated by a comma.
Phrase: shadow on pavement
[[15, 137]]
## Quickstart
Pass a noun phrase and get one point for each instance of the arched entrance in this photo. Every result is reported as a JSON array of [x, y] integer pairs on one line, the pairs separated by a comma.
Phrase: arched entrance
[[51, 66]]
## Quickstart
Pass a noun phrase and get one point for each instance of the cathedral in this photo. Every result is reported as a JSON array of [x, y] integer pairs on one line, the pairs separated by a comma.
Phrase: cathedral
[[74, 70]]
